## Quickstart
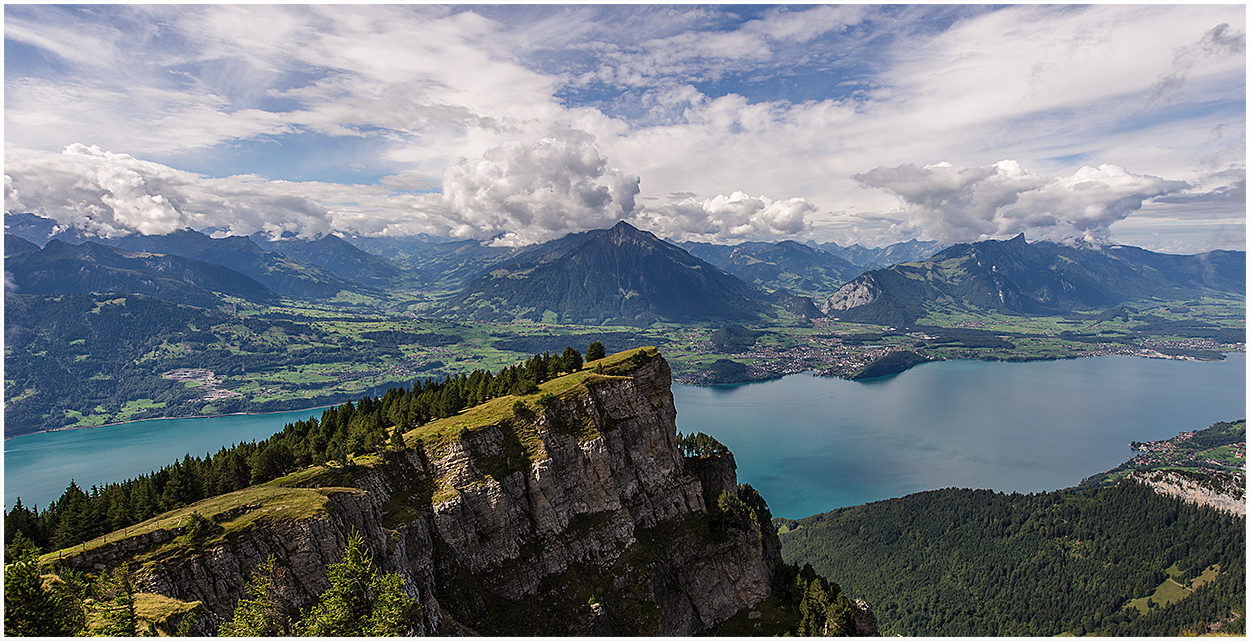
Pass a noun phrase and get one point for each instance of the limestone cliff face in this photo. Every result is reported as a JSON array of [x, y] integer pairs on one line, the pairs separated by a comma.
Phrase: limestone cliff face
[[579, 517], [1222, 491], [860, 291]]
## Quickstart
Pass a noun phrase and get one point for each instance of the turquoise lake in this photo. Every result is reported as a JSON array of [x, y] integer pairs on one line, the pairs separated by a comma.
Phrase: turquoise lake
[[811, 444], [38, 467], [808, 444]]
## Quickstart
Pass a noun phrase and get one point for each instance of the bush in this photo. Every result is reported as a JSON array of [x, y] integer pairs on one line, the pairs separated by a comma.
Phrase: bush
[[524, 386]]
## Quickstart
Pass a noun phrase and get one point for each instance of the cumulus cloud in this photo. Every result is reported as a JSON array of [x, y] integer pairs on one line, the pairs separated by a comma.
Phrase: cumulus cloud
[[736, 216], [963, 204], [515, 194], [521, 193], [112, 194]]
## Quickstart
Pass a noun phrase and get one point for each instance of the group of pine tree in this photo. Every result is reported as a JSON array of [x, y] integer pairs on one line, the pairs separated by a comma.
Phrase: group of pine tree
[[360, 601], [56, 600], [957, 562], [351, 429]]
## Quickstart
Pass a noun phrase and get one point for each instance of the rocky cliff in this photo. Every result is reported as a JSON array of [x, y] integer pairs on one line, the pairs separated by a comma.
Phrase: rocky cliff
[[568, 512], [1220, 490]]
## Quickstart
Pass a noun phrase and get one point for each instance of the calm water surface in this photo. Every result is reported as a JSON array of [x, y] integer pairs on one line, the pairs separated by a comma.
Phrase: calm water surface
[[813, 444], [807, 444], [38, 467]]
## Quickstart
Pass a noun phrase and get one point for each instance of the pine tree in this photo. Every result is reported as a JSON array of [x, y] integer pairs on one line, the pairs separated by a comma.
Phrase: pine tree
[[359, 602], [260, 613], [30, 609], [118, 606], [595, 351], [570, 360]]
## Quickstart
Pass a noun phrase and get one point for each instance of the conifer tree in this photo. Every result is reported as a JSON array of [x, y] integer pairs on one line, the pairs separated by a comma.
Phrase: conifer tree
[[359, 602], [118, 605], [31, 609], [261, 612]]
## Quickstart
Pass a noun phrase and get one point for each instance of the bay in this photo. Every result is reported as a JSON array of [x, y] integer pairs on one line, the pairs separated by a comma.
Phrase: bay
[[812, 444], [38, 467]]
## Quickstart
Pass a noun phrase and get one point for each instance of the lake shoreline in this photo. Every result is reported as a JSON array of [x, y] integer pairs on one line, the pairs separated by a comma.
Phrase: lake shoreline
[[743, 381], [166, 418]]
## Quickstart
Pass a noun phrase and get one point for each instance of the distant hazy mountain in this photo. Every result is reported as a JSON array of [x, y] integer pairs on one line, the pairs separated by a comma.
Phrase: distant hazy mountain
[[618, 275], [398, 249], [911, 251], [452, 265], [709, 252], [343, 258], [283, 274], [1018, 277], [35, 229], [62, 268], [789, 265], [14, 244]]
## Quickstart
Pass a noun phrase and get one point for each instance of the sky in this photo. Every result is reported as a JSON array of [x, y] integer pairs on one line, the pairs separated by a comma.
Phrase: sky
[[510, 124]]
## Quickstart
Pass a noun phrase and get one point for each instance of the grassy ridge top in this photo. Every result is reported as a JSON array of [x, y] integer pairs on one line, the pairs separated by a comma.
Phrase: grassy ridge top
[[305, 493], [613, 367]]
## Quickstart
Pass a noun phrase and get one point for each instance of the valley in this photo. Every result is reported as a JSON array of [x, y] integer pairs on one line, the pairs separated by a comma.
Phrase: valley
[[101, 334], [301, 335]]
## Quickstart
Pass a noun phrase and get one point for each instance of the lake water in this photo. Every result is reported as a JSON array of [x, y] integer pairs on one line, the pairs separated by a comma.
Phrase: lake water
[[807, 444], [811, 444], [38, 467]]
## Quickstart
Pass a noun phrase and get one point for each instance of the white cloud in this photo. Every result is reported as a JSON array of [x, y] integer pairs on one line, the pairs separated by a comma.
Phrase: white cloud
[[688, 99], [963, 204], [516, 194], [737, 216], [113, 194], [527, 193]]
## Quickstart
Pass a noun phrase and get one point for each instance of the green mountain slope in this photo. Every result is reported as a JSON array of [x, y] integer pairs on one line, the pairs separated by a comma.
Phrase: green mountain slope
[[981, 563], [1017, 277], [619, 275], [61, 268]]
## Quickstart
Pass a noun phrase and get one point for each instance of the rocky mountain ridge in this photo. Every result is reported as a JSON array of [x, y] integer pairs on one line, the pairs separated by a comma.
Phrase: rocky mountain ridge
[[572, 512]]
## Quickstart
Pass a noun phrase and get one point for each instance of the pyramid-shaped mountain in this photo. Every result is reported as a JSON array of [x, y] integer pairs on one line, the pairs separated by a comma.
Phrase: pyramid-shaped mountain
[[613, 276], [1018, 277]]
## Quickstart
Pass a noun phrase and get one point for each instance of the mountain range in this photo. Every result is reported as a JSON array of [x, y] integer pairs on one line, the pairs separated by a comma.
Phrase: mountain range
[[344, 259], [788, 265], [877, 257], [1022, 278], [626, 276], [61, 268]]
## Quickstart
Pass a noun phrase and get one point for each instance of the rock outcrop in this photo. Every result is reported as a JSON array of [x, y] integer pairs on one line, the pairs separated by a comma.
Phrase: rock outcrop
[[1221, 491], [859, 292], [571, 513]]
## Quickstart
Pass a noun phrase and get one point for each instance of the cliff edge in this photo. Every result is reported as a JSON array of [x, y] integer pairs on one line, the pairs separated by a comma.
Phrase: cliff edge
[[570, 511]]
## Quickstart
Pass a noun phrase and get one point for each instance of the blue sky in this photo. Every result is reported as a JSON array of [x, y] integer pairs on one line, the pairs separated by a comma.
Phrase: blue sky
[[517, 124]]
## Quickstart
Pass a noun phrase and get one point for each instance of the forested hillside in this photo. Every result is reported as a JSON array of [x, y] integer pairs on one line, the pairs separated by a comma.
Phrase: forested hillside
[[1119, 560]]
